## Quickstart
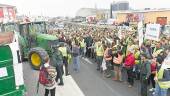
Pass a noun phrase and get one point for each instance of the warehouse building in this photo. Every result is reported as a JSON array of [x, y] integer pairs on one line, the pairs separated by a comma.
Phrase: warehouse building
[[160, 16]]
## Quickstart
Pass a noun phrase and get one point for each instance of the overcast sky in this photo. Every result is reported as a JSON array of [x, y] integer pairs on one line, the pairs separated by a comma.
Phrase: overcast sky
[[69, 7]]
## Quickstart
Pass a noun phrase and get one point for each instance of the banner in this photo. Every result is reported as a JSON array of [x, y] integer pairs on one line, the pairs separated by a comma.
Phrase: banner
[[152, 32], [1, 13], [11, 13], [140, 33]]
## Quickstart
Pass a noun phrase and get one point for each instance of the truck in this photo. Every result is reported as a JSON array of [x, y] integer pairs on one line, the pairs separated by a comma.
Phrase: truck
[[11, 74]]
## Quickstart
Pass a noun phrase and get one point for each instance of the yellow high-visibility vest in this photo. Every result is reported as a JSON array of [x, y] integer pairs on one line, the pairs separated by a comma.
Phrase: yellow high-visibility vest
[[99, 51], [137, 54], [157, 52], [163, 84], [82, 44], [63, 51]]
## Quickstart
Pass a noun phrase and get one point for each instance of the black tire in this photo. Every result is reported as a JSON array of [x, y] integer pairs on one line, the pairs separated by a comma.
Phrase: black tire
[[41, 53]]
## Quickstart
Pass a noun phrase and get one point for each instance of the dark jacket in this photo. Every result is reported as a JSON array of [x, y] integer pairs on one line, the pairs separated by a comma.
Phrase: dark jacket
[[145, 69], [57, 58]]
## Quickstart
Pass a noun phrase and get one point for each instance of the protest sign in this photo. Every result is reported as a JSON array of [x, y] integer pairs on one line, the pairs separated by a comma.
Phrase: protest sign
[[152, 32], [140, 32]]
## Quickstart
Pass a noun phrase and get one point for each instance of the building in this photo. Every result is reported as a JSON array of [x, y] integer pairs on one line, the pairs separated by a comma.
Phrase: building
[[160, 16], [114, 7], [98, 13], [7, 13], [121, 5], [85, 12]]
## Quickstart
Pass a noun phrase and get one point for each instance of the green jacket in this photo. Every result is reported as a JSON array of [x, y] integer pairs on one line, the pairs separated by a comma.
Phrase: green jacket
[[145, 69], [57, 58]]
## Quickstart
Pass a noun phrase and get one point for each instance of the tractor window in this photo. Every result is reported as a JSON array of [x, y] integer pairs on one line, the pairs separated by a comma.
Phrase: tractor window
[[24, 30], [40, 28]]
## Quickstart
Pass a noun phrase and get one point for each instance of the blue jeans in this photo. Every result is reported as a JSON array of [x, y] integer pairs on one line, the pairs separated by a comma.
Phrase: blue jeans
[[76, 63], [99, 61], [159, 91], [82, 51]]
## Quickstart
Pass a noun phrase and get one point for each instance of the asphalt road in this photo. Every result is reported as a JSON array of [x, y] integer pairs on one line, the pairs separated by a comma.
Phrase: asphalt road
[[90, 82], [93, 83], [70, 87], [30, 79]]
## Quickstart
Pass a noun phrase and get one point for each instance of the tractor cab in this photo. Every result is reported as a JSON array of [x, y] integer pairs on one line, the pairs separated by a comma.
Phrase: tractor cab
[[34, 33], [34, 27]]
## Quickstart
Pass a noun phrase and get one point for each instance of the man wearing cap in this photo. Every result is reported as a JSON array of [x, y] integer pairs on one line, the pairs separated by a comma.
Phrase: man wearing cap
[[145, 72], [57, 61]]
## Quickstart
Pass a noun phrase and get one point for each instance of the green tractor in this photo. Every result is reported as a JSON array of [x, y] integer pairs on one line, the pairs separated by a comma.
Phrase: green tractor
[[35, 42]]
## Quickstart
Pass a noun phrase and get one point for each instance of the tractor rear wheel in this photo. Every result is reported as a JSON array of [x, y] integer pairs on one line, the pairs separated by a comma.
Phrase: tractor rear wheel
[[36, 57]]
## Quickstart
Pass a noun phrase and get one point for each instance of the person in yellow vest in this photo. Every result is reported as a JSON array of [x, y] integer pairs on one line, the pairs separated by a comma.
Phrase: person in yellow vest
[[99, 54], [108, 59], [162, 77], [137, 63], [82, 47], [64, 50], [157, 50]]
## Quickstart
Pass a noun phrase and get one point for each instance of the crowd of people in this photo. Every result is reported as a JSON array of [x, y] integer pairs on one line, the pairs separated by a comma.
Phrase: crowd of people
[[118, 51]]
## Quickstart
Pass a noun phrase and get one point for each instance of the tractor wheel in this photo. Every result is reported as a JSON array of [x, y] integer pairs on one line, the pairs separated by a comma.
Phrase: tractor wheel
[[36, 57]]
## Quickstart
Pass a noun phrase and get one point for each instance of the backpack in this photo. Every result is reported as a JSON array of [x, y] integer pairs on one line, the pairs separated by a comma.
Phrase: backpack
[[43, 77]]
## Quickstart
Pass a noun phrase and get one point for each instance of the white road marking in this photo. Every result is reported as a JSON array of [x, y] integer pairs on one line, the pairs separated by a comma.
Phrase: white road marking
[[70, 88], [88, 61]]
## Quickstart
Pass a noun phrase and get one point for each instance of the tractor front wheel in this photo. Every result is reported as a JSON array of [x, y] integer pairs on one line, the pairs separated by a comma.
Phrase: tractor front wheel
[[36, 57]]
